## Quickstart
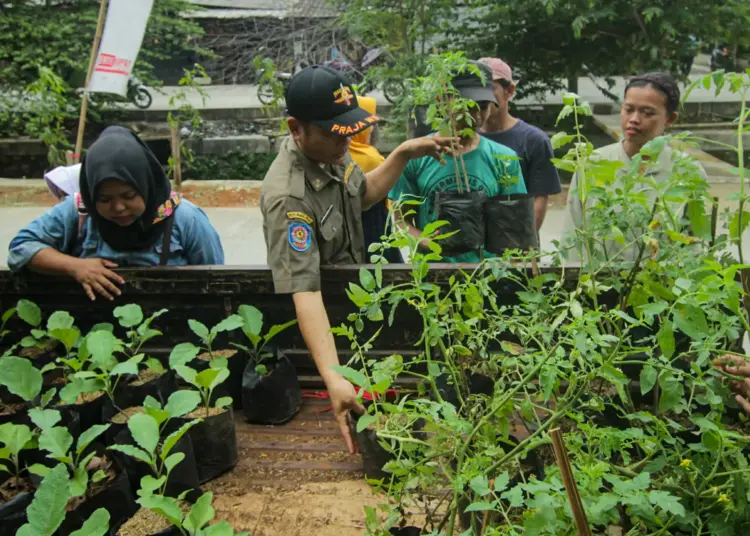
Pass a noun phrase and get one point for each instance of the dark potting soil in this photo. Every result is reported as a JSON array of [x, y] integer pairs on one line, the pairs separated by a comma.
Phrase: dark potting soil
[[42, 354], [274, 398], [510, 223], [214, 442], [464, 213]]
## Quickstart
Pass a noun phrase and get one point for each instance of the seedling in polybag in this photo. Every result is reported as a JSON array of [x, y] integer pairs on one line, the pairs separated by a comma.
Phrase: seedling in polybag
[[252, 325], [207, 381], [196, 522], [26, 311], [147, 429], [58, 442], [184, 353], [48, 509], [139, 330]]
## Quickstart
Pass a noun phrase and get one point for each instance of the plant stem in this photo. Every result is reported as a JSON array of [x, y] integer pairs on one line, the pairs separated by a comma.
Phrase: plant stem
[[741, 166]]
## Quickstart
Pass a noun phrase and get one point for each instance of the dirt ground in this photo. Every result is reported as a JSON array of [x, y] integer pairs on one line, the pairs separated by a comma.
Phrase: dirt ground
[[204, 196], [201, 195], [293, 480]]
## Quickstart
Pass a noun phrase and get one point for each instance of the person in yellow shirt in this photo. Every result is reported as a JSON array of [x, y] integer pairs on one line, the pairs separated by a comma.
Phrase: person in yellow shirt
[[375, 220]]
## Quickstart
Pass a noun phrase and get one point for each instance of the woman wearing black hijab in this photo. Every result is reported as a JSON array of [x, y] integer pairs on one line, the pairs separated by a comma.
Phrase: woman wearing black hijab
[[125, 215]]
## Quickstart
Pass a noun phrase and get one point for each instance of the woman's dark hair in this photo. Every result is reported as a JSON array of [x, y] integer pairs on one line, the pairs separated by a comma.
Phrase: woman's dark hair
[[664, 83]]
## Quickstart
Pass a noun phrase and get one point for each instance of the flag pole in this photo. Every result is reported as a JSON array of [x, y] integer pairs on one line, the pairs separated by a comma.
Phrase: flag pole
[[92, 60]]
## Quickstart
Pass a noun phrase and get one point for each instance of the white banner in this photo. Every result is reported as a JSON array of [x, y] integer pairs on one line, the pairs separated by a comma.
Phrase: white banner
[[120, 44]]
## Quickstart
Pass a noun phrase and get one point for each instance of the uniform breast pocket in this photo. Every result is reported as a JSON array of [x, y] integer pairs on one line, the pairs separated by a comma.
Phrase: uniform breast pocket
[[332, 232], [176, 253]]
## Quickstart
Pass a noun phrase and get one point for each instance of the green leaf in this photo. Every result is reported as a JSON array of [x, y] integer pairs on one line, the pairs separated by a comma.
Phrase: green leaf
[[222, 528], [39, 470], [89, 436], [667, 502], [101, 345], [514, 496], [653, 309], [700, 223], [354, 376], [275, 330], [133, 452], [96, 525], [155, 365], [358, 296], [199, 329], [364, 421], [173, 461], [60, 320], [366, 279], [68, 337], [57, 441], [166, 507], [7, 315], [29, 312], [182, 354], [665, 337], [15, 437], [182, 402], [150, 484], [200, 514], [252, 319], [129, 315], [229, 324], [481, 486], [210, 378], [501, 482], [20, 377], [648, 379], [145, 432], [127, 367], [187, 374], [479, 507], [80, 482], [99, 476], [174, 437], [44, 418], [671, 393], [47, 511], [223, 402], [734, 225]]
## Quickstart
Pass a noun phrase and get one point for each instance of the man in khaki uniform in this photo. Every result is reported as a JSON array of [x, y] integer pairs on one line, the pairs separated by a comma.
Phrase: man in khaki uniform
[[312, 202]]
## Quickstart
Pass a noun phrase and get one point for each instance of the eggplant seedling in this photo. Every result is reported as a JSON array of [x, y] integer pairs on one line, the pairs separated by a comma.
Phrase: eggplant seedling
[[196, 522], [15, 438], [185, 352], [207, 381], [252, 325]]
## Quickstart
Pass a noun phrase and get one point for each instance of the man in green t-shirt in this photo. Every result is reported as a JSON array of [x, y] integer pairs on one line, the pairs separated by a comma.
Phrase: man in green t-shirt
[[487, 167]]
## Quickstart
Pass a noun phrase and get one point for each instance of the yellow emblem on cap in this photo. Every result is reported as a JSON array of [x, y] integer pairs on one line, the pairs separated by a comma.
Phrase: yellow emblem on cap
[[343, 94], [299, 216]]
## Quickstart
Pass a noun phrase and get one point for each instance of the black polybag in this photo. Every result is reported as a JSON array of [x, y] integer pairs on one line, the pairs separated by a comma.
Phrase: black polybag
[[510, 223], [271, 399], [184, 477], [214, 444], [464, 213]]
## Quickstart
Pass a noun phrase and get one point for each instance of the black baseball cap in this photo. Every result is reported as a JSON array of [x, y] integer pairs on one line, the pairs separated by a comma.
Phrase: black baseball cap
[[325, 97], [471, 87]]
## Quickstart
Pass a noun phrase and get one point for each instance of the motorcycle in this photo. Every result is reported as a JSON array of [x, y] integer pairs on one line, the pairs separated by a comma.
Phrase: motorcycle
[[138, 94]]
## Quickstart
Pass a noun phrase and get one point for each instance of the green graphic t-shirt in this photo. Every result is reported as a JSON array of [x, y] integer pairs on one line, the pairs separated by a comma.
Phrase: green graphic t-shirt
[[491, 168]]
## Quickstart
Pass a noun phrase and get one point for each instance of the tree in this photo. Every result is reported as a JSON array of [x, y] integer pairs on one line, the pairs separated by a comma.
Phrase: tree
[[548, 41], [58, 35]]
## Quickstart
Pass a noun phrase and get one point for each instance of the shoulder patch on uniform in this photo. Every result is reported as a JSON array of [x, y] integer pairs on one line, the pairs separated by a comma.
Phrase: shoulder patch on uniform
[[300, 236], [348, 173], [299, 216]]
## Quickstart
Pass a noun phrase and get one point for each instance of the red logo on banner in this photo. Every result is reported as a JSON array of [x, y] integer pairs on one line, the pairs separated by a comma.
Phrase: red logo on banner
[[109, 63]]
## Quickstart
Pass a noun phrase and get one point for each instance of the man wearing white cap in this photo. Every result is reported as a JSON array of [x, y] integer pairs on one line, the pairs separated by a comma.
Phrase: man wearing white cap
[[530, 143]]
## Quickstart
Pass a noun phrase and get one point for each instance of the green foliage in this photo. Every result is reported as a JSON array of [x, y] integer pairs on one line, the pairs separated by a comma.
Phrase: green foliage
[[15, 438], [182, 112], [207, 381], [183, 353], [234, 165], [195, 523], [47, 511], [20, 377], [252, 326]]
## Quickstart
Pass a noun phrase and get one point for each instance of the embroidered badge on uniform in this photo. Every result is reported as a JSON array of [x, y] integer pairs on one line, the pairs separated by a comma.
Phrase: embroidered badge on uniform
[[299, 216], [348, 173], [300, 236]]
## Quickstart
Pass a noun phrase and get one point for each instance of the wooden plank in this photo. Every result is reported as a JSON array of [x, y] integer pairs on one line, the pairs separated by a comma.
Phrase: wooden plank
[[312, 465]]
